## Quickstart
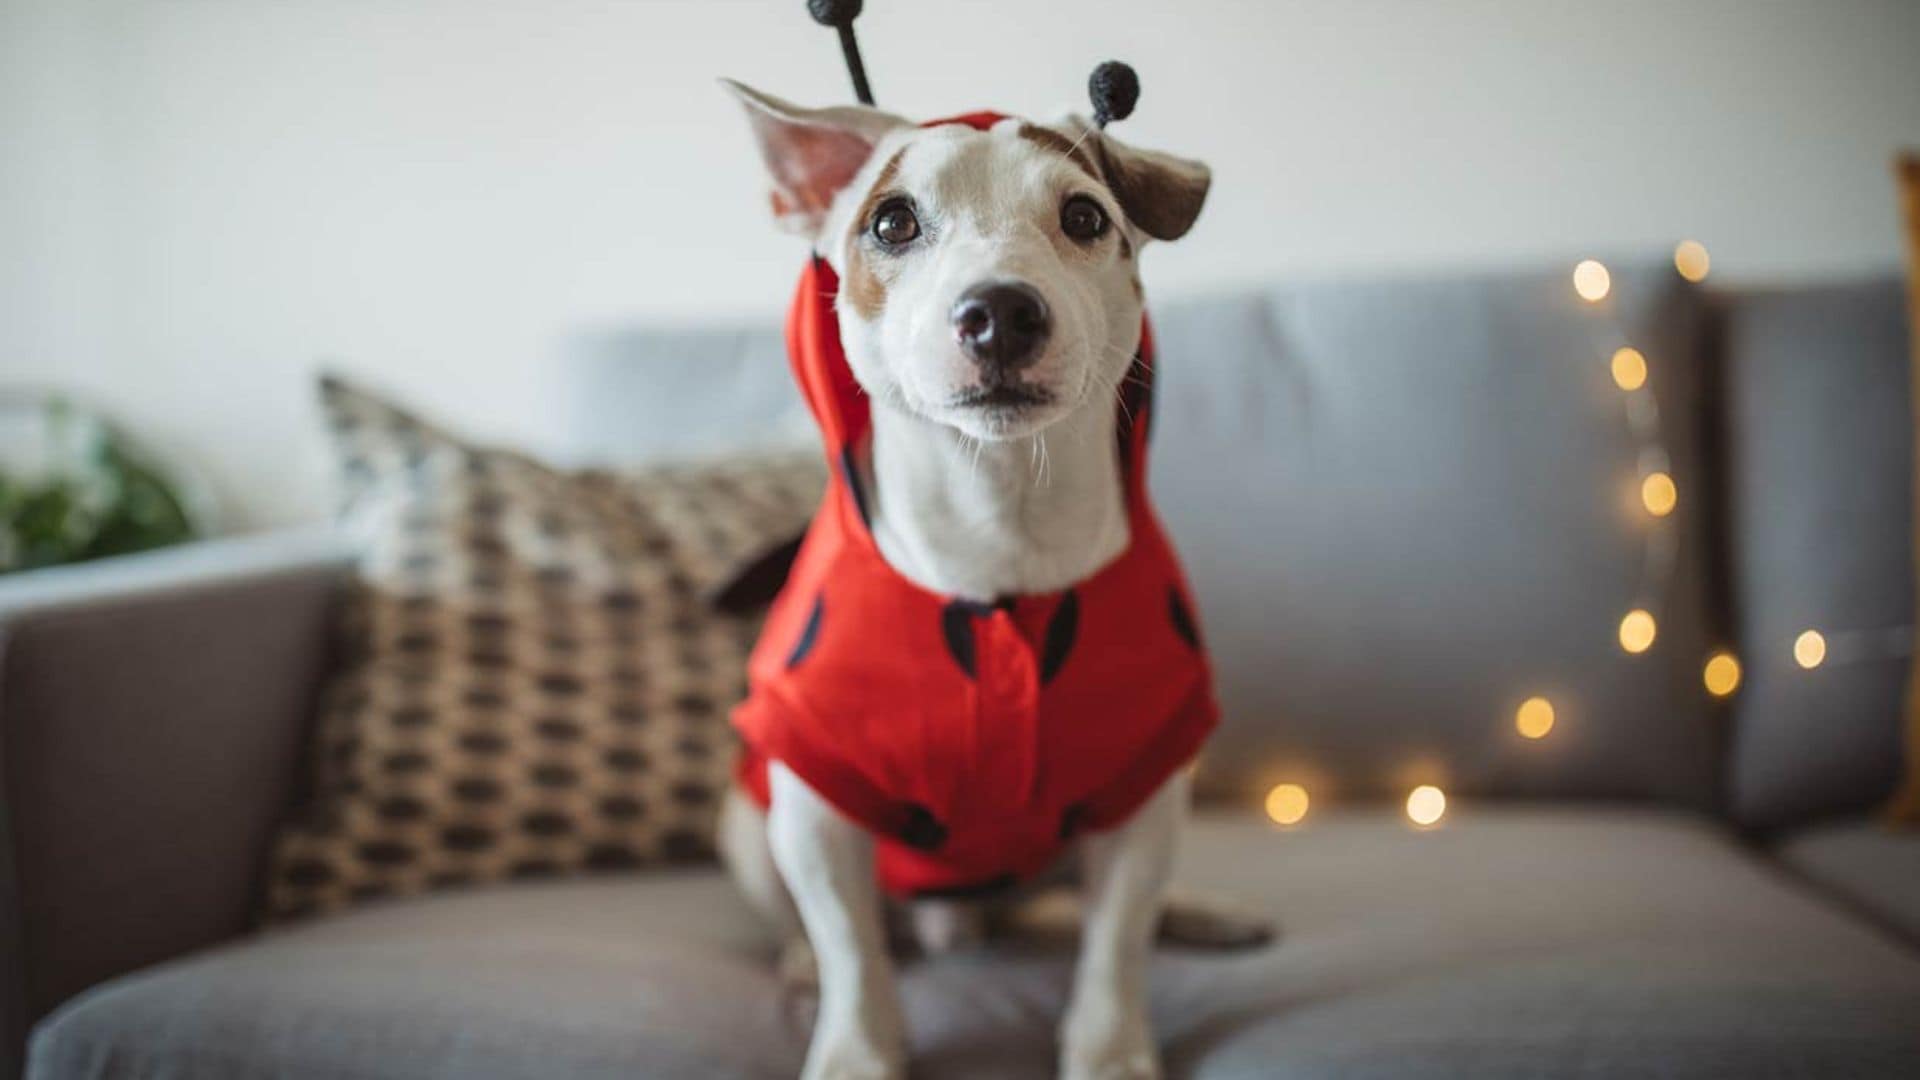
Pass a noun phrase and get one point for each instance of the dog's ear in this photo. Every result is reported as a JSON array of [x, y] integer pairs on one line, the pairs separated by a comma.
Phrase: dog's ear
[[1161, 194], [810, 153]]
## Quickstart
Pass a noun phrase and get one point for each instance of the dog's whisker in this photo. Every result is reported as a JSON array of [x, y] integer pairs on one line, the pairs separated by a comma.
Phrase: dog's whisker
[[1122, 399], [1076, 143]]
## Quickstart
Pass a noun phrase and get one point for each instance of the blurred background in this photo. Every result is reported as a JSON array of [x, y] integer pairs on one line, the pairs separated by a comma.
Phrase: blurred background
[[203, 202]]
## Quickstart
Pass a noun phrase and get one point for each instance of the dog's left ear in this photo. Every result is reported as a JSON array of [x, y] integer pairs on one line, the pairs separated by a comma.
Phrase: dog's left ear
[[1161, 194], [811, 154]]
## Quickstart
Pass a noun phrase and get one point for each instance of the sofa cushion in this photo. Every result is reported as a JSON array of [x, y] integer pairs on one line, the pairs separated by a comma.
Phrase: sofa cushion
[[1503, 943], [1870, 864], [1819, 468], [1409, 506]]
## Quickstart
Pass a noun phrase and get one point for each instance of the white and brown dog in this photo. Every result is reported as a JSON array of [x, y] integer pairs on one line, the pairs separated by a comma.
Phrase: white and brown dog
[[990, 306]]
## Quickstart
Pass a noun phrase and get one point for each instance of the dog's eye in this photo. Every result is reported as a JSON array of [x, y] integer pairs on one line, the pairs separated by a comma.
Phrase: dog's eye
[[1082, 218], [894, 223]]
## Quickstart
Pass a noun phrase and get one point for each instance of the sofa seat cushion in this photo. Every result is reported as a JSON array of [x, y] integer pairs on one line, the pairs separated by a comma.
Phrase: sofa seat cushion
[[1866, 863], [1503, 943]]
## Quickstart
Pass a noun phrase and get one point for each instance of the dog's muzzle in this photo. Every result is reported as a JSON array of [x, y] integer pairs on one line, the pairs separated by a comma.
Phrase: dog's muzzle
[[1001, 326]]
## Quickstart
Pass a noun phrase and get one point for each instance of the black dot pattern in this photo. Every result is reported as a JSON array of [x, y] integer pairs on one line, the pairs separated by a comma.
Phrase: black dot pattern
[[1182, 617], [808, 634], [1062, 630], [956, 626], [535, 683], [850, 475], [922, 830]]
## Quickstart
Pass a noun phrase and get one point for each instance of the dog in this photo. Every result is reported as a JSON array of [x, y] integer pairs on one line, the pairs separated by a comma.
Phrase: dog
[[984, 289]]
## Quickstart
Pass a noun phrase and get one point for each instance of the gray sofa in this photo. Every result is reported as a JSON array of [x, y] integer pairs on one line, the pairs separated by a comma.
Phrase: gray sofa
[[1406, 504]]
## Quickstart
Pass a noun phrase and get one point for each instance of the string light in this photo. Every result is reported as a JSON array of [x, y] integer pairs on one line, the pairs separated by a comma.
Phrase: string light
[[1534, 718], [1658, 494], [1810, 649], [1690, 258], [1629, 369], [1426, 805], [1591, 281], [1637, 630], [1287, 804], [1722, 674]]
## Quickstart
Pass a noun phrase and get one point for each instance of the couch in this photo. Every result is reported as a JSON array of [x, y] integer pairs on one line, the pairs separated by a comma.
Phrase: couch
[[1406, 504]]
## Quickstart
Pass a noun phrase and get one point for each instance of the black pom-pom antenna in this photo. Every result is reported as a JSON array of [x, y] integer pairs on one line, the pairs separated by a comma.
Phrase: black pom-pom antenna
[[1115, 89], [1113, 86], [840, 14]]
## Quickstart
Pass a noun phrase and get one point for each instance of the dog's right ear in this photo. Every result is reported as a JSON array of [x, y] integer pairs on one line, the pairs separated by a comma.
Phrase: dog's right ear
[[811, 154]]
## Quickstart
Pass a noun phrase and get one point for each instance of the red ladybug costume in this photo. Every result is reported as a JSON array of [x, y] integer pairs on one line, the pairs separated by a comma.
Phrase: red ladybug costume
[[974, 740]]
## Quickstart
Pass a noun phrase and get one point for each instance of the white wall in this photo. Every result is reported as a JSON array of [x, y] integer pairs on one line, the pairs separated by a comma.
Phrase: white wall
[[201, 201]]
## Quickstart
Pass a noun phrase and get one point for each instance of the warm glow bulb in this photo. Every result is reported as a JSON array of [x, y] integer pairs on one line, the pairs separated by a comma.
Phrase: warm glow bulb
[[1534, 718], [1629, 369], [1722, 674], [1637, 630], [1810, 649], [1591, 281], [1690, 258], [1658, 494], [1287, 804], [1426, 804]]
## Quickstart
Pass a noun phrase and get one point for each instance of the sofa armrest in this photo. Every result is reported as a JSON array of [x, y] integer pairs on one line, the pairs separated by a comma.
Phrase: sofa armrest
[[153, 712]]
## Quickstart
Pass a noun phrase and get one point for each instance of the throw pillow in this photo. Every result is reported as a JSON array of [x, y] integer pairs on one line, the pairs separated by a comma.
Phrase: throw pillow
[[534, 681]]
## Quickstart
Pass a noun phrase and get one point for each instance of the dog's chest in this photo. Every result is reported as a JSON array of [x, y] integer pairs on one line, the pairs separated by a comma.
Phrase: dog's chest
[[989, 522]]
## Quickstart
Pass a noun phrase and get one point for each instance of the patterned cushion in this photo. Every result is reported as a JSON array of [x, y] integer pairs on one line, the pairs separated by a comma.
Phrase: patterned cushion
[[535, 681]]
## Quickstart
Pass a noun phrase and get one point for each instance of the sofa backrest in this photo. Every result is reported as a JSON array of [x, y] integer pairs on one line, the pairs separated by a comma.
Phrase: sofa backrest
[[1818, 459], [1412, 505], [1407, 506]]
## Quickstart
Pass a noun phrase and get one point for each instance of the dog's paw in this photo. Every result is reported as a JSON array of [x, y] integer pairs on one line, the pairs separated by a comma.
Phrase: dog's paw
[[1212, 922], [853, 1055], [1104, 1044]]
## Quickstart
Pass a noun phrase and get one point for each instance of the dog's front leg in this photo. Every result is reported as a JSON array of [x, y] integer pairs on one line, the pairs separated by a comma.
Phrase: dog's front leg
[[1106, 1034], [827, 862]]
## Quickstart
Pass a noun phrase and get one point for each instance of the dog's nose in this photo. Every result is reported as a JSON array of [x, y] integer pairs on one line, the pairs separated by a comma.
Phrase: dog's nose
[[1001, 325]]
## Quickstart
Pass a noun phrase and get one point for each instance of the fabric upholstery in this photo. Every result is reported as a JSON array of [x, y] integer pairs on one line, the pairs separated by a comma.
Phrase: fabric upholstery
[[1906, 806], [1819, 466], [536, 682], [1505, 943], [696, 390], [1409, 506], [1354, 472], [1872, 865], [153, 710]]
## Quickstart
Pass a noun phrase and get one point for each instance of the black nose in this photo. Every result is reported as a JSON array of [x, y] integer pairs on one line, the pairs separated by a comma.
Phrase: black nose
[[1001, 325]]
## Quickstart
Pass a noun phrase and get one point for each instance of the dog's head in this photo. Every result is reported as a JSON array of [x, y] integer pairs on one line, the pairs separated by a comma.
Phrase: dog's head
[[989, 279]]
